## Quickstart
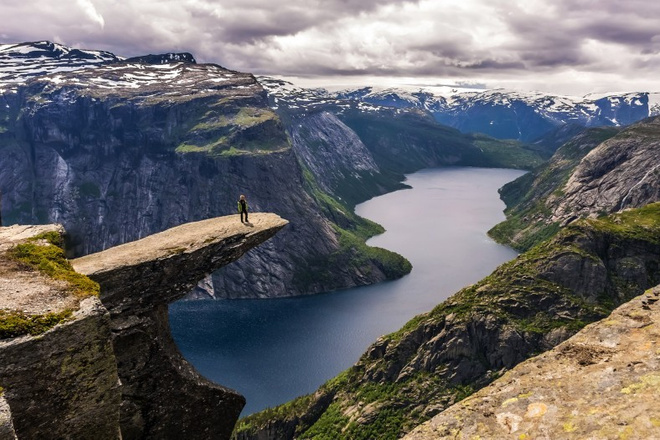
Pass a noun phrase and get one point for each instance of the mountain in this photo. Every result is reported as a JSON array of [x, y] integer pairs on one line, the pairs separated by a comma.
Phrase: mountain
[[398, 140], [22, 61], [118, 149], [502, 114], [600, 171], [528, 116]]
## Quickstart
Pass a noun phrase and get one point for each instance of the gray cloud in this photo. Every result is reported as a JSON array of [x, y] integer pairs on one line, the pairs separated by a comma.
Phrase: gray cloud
[[479, 40]]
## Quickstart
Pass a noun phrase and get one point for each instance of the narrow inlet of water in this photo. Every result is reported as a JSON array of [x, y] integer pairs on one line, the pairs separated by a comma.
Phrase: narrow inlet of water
[[272, 351]]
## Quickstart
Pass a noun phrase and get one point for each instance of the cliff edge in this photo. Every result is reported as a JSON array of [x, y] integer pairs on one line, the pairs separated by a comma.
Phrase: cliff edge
[[101, 363], [601, 383]]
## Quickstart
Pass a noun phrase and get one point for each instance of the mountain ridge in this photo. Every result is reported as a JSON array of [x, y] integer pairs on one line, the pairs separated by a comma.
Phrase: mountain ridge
[[501, 113]]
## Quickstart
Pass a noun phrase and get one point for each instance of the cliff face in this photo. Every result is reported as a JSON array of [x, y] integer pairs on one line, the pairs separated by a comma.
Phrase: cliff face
[[332, 152], [117, 150], [57, 367], [621, 173], [64, 384], [6, 426], [525, 307], [601, 383], [598, 172], [399, 140], [110, 369]]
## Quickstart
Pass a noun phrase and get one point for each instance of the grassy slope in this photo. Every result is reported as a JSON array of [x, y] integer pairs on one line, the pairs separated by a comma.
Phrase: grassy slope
[[352, 232], [442, 356]]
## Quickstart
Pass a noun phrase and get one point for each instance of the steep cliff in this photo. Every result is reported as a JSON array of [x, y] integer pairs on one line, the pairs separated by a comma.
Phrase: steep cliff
[[603, 382], [525, 307], [119, 149], [57, 367], [77, 365], [598, 172], [337, 158]]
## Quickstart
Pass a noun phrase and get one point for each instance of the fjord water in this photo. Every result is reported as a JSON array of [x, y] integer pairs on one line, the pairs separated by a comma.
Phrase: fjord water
[[274, 350]]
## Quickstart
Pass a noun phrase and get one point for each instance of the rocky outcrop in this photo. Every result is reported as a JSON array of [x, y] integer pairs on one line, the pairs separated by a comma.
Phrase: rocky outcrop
[[525, 307], [598, 172], [622, 172], [6, 426], [64, 383], [110, 369], [162, 395], [603, 382]]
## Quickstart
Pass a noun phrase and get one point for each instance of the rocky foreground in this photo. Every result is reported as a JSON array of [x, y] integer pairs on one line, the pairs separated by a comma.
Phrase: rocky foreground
[[101, 363], [602, 383]]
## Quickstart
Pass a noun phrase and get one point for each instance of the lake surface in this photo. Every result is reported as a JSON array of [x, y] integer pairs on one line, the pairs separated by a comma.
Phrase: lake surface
[[274, 350]]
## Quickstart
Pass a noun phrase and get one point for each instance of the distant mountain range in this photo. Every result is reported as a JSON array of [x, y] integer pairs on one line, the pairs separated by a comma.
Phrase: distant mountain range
[[503, 114]]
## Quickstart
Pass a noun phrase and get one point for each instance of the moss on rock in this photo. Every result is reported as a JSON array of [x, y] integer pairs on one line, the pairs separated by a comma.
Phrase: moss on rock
[[14, 323], [45, 254]]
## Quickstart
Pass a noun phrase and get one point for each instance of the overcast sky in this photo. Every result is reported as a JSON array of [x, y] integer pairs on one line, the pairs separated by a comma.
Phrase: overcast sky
[[560, 46]]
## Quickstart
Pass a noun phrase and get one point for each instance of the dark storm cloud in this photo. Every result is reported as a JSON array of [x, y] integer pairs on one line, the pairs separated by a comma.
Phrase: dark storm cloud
[[459, 38], [560, 37]]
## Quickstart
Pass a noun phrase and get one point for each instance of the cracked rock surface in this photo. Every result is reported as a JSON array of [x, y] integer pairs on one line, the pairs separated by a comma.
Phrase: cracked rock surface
[[602, 383]]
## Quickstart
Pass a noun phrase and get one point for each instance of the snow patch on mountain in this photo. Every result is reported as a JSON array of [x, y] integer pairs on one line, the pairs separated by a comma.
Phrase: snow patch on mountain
[[654, 103], [23, 61]]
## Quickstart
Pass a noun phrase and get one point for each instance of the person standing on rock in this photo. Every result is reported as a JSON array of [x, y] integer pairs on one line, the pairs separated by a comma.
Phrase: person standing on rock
[[243, 208]]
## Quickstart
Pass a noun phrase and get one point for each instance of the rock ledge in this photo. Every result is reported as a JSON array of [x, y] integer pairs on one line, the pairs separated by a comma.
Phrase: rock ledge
[[602, 383]]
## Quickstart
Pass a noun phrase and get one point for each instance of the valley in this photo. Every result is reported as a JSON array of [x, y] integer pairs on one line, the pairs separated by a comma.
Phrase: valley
[[272, 351], [116, 149]]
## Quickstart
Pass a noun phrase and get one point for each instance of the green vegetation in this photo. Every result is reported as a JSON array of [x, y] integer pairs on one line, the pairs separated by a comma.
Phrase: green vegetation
[[404, 141], [13, 324], [286, 410], [352, 232], [530, 198], [393, 385], [536, 232], [331, 422], [390, 263], [45, 254], [507, 153], [637, 224], [230, 130]]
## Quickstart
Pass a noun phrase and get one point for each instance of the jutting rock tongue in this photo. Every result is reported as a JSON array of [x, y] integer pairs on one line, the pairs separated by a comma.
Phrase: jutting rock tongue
[[162, 395]]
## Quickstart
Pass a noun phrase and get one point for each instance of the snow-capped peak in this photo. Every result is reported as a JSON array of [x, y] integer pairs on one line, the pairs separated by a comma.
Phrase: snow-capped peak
[[22, 61]]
